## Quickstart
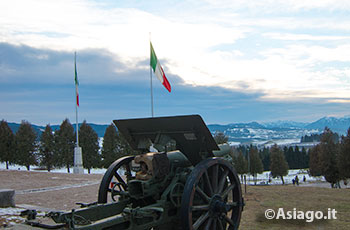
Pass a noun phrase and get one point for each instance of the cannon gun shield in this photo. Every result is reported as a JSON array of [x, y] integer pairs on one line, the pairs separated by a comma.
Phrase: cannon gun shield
[[192, 136], [189, 187]]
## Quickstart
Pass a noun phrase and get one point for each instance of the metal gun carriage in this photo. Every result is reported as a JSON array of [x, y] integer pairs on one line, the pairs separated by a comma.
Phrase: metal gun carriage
[[189, 188]]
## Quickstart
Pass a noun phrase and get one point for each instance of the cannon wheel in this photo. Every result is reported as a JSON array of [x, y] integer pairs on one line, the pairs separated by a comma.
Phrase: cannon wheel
[[112, 174], [212, 197]]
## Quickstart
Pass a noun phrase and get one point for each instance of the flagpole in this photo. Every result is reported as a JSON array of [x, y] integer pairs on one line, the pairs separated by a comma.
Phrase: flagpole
[[78, 158], [76, 102], [150, 74]]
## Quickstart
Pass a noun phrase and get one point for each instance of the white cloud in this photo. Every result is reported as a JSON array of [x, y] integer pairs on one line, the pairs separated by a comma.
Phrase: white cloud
[[304, 37], [281, 5], [189, 49]]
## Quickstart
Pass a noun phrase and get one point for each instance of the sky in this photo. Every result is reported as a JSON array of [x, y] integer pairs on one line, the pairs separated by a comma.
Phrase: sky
[[229, 61]]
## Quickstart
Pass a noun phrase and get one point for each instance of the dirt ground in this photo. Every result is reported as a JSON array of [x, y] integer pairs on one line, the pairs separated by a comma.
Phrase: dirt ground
[[58, 191]]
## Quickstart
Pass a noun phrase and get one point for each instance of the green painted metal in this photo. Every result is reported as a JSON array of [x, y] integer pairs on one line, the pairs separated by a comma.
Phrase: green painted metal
[[155, 203]]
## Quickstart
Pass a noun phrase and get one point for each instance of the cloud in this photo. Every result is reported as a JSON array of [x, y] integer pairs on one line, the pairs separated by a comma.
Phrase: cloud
[[281, 5], [276, 50], [41, 90]]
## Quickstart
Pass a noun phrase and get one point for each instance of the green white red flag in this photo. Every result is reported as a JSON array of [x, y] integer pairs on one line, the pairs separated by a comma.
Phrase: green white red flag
[[76, 79], [158, 70]]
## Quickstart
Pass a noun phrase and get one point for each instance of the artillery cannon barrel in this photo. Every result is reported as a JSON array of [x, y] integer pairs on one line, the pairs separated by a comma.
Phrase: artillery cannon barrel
[[224, 150], [181, 160]]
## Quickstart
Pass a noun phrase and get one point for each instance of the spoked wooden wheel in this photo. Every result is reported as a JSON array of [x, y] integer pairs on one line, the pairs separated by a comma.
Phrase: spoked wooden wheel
[[212, 197], [115, 180]]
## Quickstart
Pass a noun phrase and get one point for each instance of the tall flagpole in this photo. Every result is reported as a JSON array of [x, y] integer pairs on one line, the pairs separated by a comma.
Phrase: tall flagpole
[[78, 158], [150, 74], [76, 98]]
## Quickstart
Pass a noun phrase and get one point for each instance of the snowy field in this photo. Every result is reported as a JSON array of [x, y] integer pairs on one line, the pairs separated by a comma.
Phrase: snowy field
[[56, 170], [262, 178]]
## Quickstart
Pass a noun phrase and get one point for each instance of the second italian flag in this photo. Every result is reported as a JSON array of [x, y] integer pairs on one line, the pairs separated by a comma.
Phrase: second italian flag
[[158, 70]]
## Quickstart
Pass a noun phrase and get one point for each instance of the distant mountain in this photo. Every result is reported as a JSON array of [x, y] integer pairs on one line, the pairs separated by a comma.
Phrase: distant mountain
[[14, 127], [223, 128], [285, 124], [252, 131], [339, 125]]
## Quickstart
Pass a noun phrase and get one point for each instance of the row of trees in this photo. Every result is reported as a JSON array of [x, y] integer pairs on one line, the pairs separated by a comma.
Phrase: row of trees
[[55, 149], [260, 160], [331, 158], [252, 163]]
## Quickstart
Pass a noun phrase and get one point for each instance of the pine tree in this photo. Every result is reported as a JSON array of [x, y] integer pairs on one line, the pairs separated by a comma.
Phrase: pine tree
[[278, 165], [315, 166], [289, 156], [110, 146], [7, 139], [88, 140], [46, 150], [126, 150], [255, 163], [241, 164], [265, 158], [26, 145], [64, 144], [304, 159], [329, 154], [298, 158], [344, 157], [114, 147]]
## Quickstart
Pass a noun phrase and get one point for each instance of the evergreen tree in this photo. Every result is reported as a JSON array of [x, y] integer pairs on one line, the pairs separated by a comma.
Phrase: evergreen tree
[[64, 145], [220, 138], [344, 157], [265, 158], [315, 166], [255, 163], [298, 158], [304, 159], [26, 145], [291, 158], [114, 147], [46, 150], [278, 165], [110, 145], [241, 164], [329, 154], [126, 149], [6, 144], [88, 140]]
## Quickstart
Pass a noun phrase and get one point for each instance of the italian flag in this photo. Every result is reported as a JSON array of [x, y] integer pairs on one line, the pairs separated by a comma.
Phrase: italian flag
[[158, 70], [76, 78]]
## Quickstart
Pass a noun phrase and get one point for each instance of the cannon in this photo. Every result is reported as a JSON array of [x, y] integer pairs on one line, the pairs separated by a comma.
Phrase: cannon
[[185, 184]]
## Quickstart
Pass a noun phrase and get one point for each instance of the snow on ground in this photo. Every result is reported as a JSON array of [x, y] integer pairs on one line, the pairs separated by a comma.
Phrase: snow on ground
[[264, 177], [56, 170], [12, 216]]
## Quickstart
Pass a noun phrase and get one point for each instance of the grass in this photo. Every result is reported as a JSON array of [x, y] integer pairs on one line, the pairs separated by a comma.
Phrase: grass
[[259, 198]]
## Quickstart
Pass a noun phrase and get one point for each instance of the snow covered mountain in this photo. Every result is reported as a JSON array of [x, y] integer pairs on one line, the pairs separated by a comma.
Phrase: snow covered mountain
[[339, 125], [252, 131]]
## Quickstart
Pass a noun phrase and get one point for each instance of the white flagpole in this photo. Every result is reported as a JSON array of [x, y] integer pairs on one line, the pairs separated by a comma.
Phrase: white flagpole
[[78, 158], [150, 73], [76, 98]]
